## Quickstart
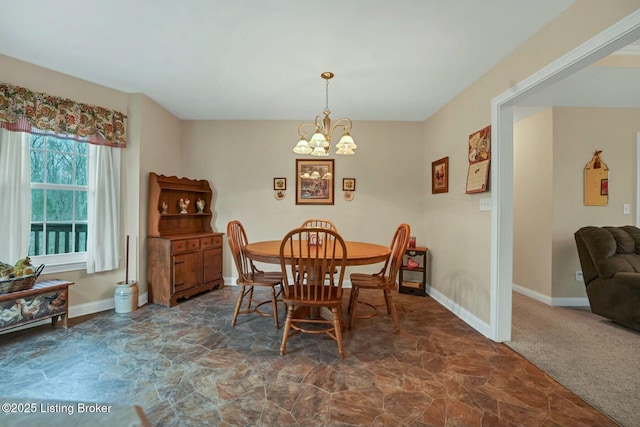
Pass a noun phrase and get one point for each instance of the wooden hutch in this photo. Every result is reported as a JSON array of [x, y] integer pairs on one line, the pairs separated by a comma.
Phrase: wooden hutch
[[184, 253]]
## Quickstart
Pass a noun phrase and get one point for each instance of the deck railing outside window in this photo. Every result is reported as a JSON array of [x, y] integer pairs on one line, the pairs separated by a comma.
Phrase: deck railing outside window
[[61, 239]]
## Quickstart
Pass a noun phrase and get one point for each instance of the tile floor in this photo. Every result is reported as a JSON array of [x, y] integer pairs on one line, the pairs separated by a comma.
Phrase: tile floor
[[186, 366]]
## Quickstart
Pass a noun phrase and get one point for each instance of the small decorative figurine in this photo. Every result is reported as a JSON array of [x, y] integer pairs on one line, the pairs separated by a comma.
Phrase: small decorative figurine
[[164, 207], [411, 264], [184, 204], [200, 205]]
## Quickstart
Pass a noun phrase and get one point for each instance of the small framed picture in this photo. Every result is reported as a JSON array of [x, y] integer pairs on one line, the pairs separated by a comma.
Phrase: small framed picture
[[279, 184], [348, 184], [440, 176], [604, 187]]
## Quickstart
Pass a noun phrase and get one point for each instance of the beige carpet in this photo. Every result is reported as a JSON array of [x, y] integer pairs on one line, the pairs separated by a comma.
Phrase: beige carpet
[[590, 355]]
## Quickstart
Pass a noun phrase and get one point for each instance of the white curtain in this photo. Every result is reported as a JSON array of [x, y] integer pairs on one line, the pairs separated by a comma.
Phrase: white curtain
[[15, 195], [103, 208]]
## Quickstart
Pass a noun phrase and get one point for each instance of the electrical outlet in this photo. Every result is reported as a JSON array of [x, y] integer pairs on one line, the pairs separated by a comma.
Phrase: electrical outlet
[[579, 277], [485, 204]]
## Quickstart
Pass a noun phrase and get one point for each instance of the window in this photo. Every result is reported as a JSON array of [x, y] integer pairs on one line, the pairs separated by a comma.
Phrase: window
[[67, 206], [58, 200]]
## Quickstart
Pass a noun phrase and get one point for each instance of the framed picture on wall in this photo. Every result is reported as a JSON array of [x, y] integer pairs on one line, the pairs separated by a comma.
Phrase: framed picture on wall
[[348, 184], [314, 182], [440, 176], [279, 184], [604, 187]]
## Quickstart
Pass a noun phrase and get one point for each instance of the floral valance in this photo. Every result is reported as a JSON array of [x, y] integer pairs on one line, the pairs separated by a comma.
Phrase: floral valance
[[27, 111]]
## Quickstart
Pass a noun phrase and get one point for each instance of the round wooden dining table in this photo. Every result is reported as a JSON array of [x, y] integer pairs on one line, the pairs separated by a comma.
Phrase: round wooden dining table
[[358, 253]]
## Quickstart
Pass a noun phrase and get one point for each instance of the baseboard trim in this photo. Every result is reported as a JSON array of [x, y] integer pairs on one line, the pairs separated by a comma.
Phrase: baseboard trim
[[556, 302], [466, 316], [101, 305]]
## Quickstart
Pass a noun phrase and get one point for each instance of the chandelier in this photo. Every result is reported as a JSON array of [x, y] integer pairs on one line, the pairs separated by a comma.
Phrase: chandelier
[[319, 144]]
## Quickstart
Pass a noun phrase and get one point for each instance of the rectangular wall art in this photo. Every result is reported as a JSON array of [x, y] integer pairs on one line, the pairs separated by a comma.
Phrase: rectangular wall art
[[440, 176], [479, 156], [314, 182]]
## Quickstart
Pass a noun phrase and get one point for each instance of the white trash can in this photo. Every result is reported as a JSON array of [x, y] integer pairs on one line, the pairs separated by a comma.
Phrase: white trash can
[[125, 297]]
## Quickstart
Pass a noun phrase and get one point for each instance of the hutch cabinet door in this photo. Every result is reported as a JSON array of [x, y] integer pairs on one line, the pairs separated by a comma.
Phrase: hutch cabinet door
[[185, 271], [212, 264]]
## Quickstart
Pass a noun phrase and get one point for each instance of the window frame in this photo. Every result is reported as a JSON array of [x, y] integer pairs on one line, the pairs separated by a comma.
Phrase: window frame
[[70, 261]]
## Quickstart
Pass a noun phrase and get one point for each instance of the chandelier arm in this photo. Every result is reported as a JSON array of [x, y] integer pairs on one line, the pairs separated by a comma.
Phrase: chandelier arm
[[302, 133], [339, 122]]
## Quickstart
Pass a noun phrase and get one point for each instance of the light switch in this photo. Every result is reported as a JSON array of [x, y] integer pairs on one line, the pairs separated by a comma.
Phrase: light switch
[[626, 209]]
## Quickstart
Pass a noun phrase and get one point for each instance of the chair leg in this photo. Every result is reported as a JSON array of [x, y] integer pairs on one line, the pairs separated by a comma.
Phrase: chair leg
[[350, 299], [250, 298], [236, 311], [392, 307], [354, 304], [287, 329], [337, 325], [387, 301], [274, 299], [280, 295]]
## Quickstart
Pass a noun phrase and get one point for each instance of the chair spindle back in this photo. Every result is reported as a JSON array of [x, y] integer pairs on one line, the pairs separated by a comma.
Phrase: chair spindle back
[[308, 264], [399, 245], [237, 243]]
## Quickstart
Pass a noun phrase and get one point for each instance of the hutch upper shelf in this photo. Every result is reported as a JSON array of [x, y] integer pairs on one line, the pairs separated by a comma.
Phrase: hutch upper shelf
[[167, 191]]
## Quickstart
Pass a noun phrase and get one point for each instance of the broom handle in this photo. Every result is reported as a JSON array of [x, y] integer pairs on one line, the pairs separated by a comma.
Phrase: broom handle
[[126, 264]]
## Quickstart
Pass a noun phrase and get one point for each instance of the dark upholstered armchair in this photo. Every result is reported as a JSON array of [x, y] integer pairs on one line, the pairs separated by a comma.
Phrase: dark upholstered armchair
[[610, 260]]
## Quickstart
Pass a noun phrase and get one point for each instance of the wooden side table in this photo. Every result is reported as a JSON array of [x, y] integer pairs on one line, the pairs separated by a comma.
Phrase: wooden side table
[[46, 299], [413, 279]]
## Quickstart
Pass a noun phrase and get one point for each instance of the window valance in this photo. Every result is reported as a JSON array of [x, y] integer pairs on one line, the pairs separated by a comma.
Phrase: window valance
[[27, 111]]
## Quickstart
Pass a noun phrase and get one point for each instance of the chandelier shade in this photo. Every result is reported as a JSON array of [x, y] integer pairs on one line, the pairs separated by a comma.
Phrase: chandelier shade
[[320, 142], [302, 147]]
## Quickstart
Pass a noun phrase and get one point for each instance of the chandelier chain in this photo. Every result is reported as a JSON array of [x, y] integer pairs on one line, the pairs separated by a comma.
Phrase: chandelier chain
[[326, 108]]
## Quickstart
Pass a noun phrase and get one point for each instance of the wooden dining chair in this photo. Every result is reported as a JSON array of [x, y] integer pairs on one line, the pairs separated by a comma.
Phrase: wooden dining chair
[[384, 280], [318, 222], [249, 277], [312, 290]]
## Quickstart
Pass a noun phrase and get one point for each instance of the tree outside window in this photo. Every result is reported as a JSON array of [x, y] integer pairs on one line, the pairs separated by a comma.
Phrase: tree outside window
[[58, 195]]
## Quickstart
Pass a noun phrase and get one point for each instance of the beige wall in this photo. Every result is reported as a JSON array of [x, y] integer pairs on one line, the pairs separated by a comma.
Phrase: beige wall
[[241, 158], [549, 206], [458, 233], [532, 201], [160, 152], [578, 132]]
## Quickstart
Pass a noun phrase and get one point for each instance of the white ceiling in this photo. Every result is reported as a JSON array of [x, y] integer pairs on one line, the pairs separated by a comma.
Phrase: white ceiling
[[262, 59], [594, 86]]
